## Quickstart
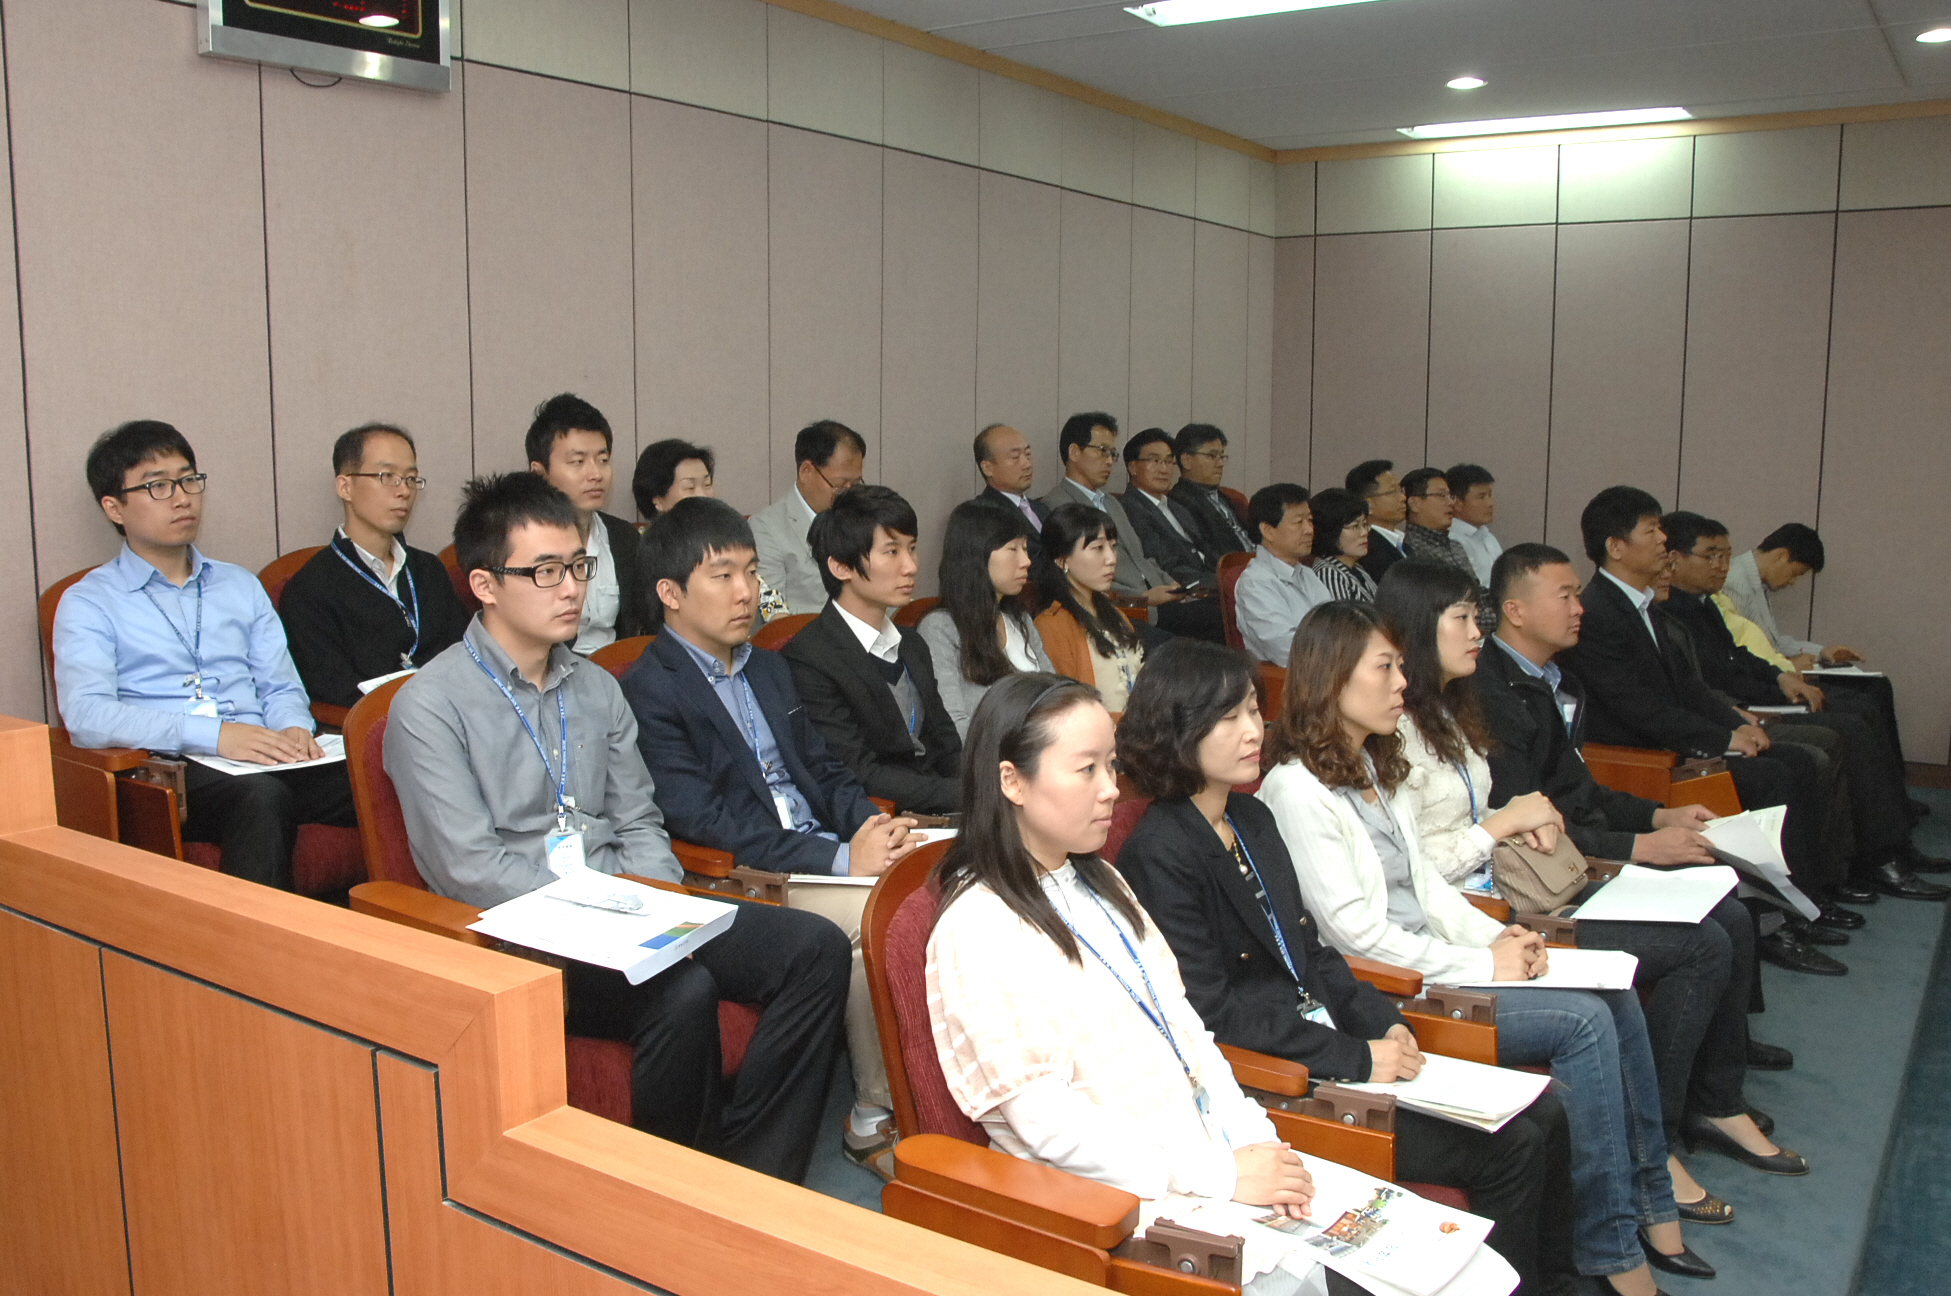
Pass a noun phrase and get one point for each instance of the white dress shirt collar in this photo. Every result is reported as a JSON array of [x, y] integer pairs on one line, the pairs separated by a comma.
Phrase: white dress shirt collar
[[1641, 599], [377, 567], [1393, 537], [884, 643]]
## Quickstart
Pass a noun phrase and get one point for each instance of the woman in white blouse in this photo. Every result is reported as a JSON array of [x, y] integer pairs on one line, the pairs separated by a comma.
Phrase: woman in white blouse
[[982, 630], [1057, 1008], [1334, 794]]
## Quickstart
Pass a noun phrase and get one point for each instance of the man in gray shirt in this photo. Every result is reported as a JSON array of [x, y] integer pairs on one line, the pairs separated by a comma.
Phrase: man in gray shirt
[[513, 758]]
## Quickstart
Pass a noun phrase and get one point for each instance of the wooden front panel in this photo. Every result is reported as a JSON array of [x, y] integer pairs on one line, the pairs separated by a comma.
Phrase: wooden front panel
[[250, 1143], [60, 1194]]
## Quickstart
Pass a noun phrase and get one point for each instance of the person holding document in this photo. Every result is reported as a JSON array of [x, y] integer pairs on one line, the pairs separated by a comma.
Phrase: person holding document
[[1211, 870], [516, 762], [1698, 976], [1334, 794]]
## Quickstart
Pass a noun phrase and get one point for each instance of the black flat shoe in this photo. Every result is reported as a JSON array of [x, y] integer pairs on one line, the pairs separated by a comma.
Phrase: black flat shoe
[[1785, 951], [1836, 918], [1767, 1057], [1708, 1210], [1918, 862], [1893, 879], [1698, 1132], [1686, 1264], [1851, 893], [1763, 1121]]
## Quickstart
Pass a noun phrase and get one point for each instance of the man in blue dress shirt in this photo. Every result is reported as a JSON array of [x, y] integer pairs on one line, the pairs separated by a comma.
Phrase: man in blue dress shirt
[[165, 649]]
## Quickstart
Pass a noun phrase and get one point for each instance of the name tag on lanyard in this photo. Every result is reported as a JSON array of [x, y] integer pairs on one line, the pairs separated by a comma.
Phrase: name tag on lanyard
[[564, 852]]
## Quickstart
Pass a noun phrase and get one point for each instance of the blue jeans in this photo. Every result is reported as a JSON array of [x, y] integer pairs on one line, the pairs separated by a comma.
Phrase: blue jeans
[[1602, 1068]]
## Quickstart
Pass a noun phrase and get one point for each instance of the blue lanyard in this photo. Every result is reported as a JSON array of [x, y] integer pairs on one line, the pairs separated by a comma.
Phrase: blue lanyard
[[1266, 903], [562, 801], [410, 611], [1154, 1012], [1469, 788], [194, 646]]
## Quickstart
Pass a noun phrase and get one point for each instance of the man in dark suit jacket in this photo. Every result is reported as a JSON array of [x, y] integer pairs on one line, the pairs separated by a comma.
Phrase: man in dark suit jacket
[[867, 683], [1003, 456], [1201, 451], [1388, 505], [1166, 528], [569, 444]]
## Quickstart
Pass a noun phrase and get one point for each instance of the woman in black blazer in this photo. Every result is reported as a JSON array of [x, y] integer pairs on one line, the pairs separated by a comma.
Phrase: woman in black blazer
[[1209, 866]]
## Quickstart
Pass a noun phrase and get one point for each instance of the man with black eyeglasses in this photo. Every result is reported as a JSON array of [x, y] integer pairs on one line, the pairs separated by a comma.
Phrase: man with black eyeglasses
[[367, 606], [1201, 450], [830, 457], [164, 649]]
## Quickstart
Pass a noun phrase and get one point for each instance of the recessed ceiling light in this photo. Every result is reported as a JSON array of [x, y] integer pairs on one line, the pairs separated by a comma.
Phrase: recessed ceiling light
[[1563, 121], [1935, 36], [1177, 13], [1465, 83], [379, 20]]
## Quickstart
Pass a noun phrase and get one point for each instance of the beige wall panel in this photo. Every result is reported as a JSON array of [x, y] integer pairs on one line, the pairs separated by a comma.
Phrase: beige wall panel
[[1161, 321], [825, 197], [1885, 473], [1094, 335], [1097, 151], [1222, 193], [1221, 266], [1291, 445], [823, 76], [928, 352], [1371, 352], [701, 293], [706, 52], [1294, 199], [1360, 195], [1516, 186], [142, 272], [549, 281], [1897, 163], [1490, 364], [1752, 173], [1757, 351], [1259, 367], [1627, 180], [1616, 366], [1164, 169], [577, 40], [1017, 321], [1022, 129], [1262, 199], [20, 678], [931, 105], [366, 327]]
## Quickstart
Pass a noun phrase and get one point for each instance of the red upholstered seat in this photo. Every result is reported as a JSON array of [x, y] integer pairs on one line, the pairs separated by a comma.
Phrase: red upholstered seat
[[1229, 569], [907, 950], [1124, 817]]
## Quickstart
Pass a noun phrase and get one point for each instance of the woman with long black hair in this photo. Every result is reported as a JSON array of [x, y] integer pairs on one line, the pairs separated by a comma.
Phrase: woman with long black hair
[[982, 630], [1084, 633]]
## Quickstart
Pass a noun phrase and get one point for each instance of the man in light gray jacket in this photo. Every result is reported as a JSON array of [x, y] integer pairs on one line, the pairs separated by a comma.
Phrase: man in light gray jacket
[[828, 457]]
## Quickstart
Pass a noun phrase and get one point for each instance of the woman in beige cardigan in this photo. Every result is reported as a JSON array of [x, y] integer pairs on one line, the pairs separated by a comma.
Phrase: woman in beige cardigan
[[1086, 636]]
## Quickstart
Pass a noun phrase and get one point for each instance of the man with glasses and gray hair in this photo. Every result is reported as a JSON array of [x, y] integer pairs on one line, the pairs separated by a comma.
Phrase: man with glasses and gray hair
[[164, 649], [830, 457], [367, 606]]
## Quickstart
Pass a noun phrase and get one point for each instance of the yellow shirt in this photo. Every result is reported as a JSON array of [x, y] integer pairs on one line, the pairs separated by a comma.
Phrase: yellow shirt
[[1749, 635]]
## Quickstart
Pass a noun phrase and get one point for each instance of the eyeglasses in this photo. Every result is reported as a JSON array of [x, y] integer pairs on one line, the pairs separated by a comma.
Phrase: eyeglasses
[[836, 486], [1102, 452], [1719, 557], [164, 487], [1217, 456], [548, 575], [1154, 461], [1434, 495], [393, 480]]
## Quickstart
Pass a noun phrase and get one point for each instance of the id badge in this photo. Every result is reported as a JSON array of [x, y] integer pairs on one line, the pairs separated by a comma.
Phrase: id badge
[[205, 707], [564, 852], [1203, 1103], [1320, 1016]]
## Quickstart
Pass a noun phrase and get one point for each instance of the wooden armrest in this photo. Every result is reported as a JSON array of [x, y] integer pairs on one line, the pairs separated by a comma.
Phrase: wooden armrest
[[1490, 905], [1556, 931], [113, 759], [992, 1232], [1361, 1137], [1387, 977], [1598, 870], [1264, 1072], [413, 907], [744, 883], [1136, 1278], [702, 859], [1699, 767], [882, 804], [1648, 757], [1038, 1196], [332, 716]]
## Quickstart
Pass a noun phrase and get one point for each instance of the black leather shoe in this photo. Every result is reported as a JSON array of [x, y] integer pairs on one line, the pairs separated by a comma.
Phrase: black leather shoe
[[1708, 1210], [1918, 862], [1686, 1264], [1851, 893], [1763, 1121], [1784, 951], [1768, 1057], [1698, 1131], [1816, 933], [1837, 918], [1893, 879]]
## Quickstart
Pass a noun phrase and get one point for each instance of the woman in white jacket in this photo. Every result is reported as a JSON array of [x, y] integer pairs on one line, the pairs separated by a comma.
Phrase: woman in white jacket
[[1362, 874]]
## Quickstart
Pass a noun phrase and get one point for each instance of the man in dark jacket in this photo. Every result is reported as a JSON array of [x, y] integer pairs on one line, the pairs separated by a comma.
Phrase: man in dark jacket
[[569, 445], [1201, 451], [1166, 528], [867, 683]]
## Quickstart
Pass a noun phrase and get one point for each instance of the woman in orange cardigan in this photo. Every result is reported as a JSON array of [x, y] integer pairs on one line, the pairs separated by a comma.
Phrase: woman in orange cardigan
[[1086, 636]]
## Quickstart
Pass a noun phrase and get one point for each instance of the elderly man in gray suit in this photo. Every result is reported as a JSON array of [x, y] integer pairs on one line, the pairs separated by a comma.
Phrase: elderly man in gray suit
[[1088, 445], [828, 458]]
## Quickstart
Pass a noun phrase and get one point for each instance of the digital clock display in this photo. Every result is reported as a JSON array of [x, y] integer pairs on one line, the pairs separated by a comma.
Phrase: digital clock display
[[401, 41]]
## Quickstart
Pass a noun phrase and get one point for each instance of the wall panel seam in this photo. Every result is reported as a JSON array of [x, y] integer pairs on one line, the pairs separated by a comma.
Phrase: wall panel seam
[[1828, 372], [1551, 390], [20, 343], [114, 1116], [270, 352], [467, 285], [1686, 339]]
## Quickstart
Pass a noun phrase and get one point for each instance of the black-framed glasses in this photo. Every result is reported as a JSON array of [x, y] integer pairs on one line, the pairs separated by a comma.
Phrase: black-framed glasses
[[837, 486], [1154, 460], [1217, 456], [164, 487], [393, 480], [548, 575], [1101, 451]]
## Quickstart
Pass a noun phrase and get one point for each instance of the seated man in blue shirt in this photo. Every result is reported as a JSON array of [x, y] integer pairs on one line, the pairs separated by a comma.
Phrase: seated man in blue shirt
[[741, 767], [165, 649], [508, 739], [1277, 588]]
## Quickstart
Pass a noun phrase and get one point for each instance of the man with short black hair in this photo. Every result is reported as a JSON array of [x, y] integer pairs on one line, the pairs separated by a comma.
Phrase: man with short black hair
[[164, 649], [569, 445], [1201, 450], [1375, 481], [1278, 587], [1784, 556], [368, 606], [514, 759], [1164, 525], [829, 458], [1473, 506]]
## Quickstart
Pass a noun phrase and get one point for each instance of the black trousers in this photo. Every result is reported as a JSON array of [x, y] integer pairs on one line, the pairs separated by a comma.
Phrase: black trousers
[[1878, 812], [1520, 1178], [1194, 618], [1872, 698], [796, 967], [1800, 778], [254, 818]]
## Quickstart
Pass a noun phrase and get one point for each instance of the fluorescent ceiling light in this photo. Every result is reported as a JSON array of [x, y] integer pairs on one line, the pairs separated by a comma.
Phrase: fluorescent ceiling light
[[1177, 13], [1935, 36], [1466, 83], [379, 20], [1563, 121]]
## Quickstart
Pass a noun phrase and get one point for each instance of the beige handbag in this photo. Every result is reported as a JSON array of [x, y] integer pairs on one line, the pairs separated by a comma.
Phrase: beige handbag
[[1535, 881]]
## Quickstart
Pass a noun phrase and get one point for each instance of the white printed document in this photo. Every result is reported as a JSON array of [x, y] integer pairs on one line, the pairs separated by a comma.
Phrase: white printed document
[[1845, 671], [607, 921], [333, 745], [1468, 1093], [1752, 842], [1664, 895], [1575, 969]]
